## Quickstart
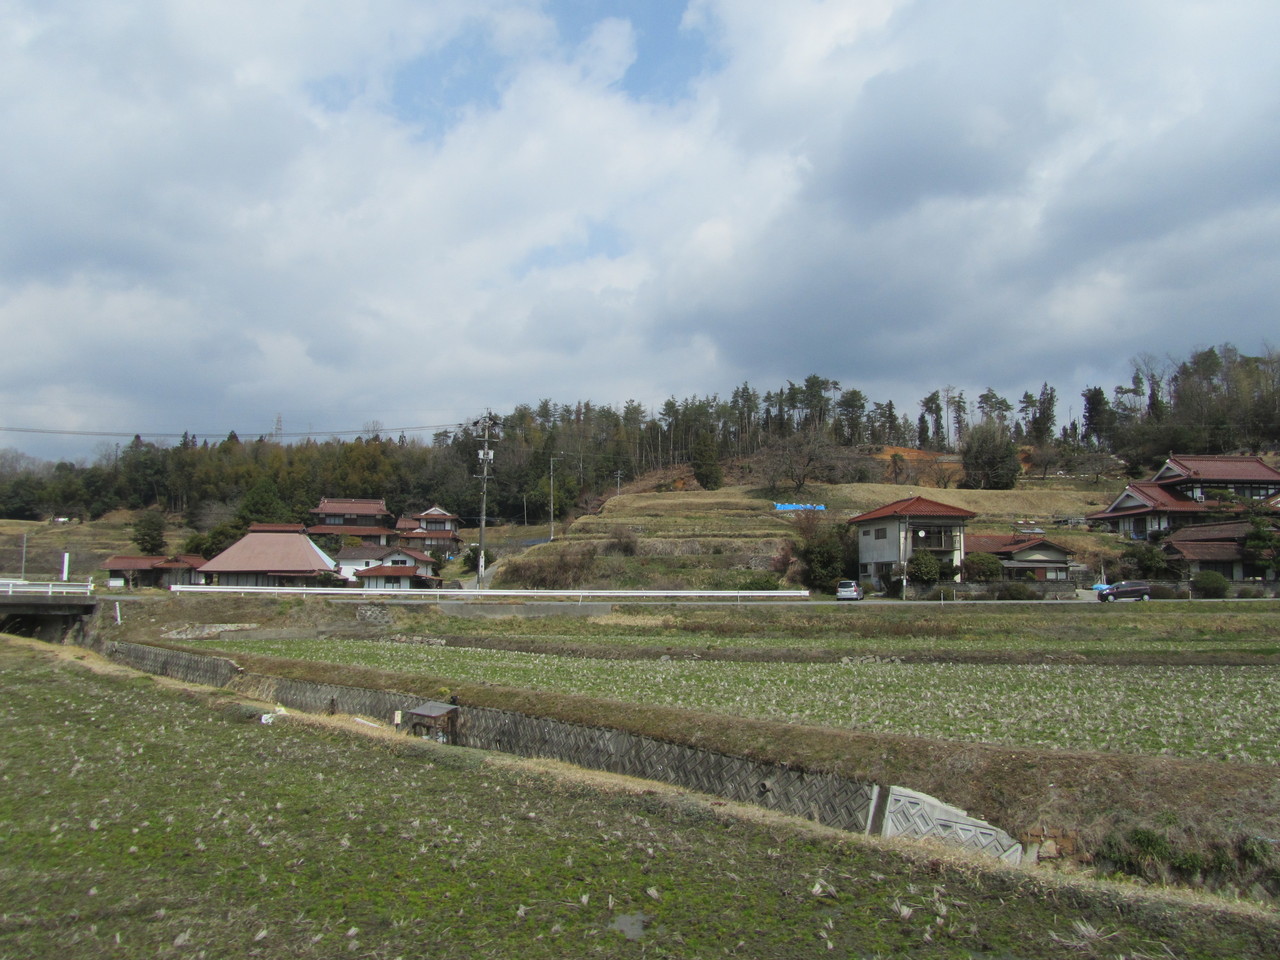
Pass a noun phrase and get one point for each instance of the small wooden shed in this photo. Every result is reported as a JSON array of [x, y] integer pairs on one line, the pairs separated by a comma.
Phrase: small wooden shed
[[434, 720]]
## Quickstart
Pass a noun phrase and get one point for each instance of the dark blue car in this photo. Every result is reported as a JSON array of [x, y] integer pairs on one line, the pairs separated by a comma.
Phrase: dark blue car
[[1125, 590]]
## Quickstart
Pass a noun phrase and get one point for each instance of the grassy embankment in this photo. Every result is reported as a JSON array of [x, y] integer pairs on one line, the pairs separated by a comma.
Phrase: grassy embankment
[[1114, 721], [140, 822]]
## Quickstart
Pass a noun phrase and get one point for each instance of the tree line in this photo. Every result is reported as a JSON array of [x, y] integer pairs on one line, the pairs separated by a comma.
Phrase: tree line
[[1217, 400]]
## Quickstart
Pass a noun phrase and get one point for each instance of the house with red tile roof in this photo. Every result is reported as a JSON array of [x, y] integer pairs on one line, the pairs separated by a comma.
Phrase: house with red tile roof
[[889, 535], [388, 568], [182, 569], [370, 520], [434, 530], [1022, 555], [261, 558], [1187, 490]]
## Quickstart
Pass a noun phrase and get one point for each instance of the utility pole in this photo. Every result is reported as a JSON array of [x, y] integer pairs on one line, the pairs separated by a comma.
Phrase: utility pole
[[486, 459], [617, 475], [553, 498]]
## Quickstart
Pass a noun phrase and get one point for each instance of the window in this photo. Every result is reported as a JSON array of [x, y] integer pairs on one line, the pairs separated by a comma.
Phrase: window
[[866, 531], [392, 581], [882, 533], [399, 563]]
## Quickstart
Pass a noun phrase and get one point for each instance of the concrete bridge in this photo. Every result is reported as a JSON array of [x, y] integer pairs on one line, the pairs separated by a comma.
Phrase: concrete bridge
[[47, 611]]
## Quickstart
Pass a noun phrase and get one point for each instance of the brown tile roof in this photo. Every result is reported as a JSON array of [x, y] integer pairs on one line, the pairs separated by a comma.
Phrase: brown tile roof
[[130, 563], [342, 530], [1220, 552], [184, 561], [1239, 469], [915, 507], [361, 508], [432, 536], [191, 561], [1156, 497], [388, 570], [365, 551], [280, 553], [1232, 530], [1010, 543], [277, 528]]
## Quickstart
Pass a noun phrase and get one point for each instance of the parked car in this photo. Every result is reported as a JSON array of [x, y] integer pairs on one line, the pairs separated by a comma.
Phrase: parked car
[[848, 590], [1126, 590]]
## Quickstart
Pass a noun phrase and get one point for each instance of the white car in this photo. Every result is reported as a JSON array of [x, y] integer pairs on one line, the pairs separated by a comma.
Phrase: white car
[[848, 590]]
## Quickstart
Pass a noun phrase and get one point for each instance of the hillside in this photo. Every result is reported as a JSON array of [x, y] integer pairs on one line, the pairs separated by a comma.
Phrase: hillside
[[662, 530], [722, 539]]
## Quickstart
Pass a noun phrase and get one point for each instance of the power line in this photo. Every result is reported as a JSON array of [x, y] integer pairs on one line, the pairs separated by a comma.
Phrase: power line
[[213, 433]]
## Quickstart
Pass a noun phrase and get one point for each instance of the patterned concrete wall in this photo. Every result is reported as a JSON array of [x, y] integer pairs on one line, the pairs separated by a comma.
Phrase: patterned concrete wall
[[835, 801], [911, 814], [828, 799], [194, 668]]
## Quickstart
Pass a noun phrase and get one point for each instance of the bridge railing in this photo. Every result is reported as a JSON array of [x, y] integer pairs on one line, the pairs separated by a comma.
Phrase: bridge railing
[[21, 588]]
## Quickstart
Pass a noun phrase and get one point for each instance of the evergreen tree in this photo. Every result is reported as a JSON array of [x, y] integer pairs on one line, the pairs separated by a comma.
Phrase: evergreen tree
[[705, 462], [148, 533], [990, 458]]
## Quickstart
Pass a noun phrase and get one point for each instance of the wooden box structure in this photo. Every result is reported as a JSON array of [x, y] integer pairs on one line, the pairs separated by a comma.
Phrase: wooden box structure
[[434, 720]]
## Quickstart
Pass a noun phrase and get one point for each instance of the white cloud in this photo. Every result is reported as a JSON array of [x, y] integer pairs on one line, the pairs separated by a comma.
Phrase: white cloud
[[411, 211]]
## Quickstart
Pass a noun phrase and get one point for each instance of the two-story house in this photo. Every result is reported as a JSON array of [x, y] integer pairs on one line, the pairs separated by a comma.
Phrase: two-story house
[[370, 520], [1186, 491], [432, 531], [889, 535], [387, 568]]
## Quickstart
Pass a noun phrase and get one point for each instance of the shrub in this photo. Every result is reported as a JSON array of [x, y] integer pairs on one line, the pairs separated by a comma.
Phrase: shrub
[[1250, 593], [471, 559], [559, 571], [922, 567], [1210, 584], [982, 567], [1160, 591], [623, 541], [828, 553], [1015, 591], [759, 581]]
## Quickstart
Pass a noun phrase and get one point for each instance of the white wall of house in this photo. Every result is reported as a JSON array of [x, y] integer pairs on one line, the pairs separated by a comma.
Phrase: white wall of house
[[888, 541]]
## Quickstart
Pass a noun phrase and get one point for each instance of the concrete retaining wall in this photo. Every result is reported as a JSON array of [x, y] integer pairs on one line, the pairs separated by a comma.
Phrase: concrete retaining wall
[[828, 799]]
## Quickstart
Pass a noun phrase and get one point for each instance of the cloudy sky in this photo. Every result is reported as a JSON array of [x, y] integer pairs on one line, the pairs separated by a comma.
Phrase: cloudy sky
[[408, 211]]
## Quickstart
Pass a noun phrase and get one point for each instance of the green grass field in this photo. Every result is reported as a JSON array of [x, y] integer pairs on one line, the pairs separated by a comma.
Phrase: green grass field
[[1201, 712], [1171, 629], [139, 822]]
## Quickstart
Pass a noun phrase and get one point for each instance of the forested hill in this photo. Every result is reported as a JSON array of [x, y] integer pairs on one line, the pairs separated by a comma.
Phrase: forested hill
[[1216, 401]]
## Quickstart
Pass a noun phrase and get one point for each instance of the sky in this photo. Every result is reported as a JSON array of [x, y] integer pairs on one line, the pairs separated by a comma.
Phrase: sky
[[325, 215]]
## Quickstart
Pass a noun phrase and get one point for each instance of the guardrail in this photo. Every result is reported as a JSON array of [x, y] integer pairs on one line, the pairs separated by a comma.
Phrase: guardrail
[[578, 595], [14, 588]]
